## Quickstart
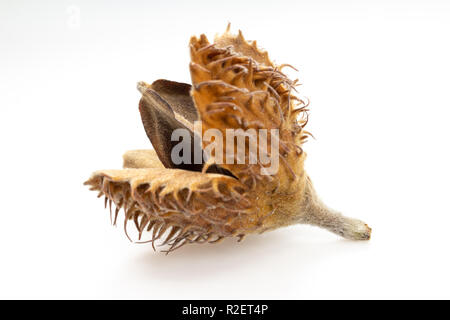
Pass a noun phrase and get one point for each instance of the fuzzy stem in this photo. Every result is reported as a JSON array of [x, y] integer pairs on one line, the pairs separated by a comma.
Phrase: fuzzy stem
[[318, 214]]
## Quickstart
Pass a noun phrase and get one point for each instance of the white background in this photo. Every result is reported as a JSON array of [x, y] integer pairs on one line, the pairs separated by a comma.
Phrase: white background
[[378, 77]]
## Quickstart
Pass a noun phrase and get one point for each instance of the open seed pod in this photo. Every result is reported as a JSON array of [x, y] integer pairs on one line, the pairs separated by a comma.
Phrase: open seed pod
[[234, 86]]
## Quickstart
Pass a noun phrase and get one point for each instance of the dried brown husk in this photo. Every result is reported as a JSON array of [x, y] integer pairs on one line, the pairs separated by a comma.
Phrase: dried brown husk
[[234, 85]]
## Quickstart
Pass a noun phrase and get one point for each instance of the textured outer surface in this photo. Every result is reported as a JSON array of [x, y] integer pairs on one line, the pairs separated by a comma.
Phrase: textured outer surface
[[232, 90], [196, 207]]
